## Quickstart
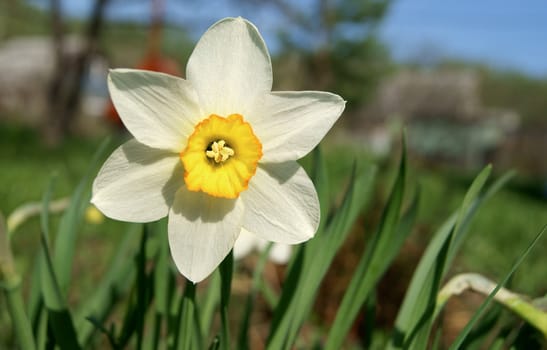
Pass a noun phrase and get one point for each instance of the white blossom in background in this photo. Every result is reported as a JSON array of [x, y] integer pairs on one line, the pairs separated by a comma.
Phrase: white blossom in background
[[247, 242], [215, 152]]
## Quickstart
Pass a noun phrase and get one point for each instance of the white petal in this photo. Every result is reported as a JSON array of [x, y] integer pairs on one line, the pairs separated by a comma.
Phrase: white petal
[[137, 183], [245, 244], [281, 204], [202, 230], [230, 67], [160, 110], [293, 123]]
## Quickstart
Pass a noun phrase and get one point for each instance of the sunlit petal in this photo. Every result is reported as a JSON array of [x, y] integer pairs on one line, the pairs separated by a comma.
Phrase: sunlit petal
[[281, 204], [137, 183], [159, 110], [230, 68], [291, 124]]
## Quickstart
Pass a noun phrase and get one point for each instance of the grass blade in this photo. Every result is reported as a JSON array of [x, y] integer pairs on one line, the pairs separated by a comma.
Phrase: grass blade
[[386, 242], [226, 272], [10, 284], [463, 334], [162, 281], [140, 298], [59, 318], [369, 271], [320, 179], [65, 239], [419, 301], [115, 283], [209, 304], [186, 325], [306, 271]]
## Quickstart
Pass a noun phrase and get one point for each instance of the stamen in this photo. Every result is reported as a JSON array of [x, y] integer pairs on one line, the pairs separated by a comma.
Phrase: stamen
[[219, 151]]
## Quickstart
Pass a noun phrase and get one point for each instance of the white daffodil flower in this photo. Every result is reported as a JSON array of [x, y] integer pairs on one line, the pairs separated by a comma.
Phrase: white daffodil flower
[[216, 152], [247, 242]]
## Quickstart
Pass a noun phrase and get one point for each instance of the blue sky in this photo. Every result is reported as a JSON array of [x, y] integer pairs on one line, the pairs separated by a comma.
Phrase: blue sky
[[505, 34]]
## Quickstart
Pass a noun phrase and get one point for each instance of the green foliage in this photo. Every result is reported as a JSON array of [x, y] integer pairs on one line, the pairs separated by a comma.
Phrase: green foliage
[[414, 320], [384, 246], [465, 332], [358, 66], [515, 91], [141, 301], [14, 19], [306, 271], [341, 51], [59, 317]]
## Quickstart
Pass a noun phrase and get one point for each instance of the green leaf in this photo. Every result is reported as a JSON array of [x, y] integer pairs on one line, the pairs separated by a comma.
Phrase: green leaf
[[186, 330], [65, 239], [59, 318], [44, 215], [369, 318], [419, 333], [321, 181], [465, 332], [414, 320], [10, 285], [470, 203], [35, 302], [114, 284], [162, 280], [226, 271], [209, 304], [162, 273], [141, 297], [306, 271], [380, 253], [173, 322], [482, 332]]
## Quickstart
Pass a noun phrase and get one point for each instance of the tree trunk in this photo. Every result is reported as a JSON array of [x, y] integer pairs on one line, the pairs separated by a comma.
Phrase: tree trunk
[[66, 86]]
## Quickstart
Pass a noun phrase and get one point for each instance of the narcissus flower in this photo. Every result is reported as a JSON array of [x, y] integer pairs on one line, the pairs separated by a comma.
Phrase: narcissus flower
[[216, 152]]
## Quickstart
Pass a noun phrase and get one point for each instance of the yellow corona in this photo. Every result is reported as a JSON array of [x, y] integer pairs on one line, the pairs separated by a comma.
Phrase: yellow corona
[[221, 156]]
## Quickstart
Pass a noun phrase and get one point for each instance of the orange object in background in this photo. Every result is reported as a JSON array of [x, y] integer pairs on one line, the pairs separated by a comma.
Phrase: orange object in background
[[153, 59]]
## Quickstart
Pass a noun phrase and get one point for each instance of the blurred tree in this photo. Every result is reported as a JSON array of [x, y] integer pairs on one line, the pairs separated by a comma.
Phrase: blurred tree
[[337, 43], [12, 19], [65, 89], [514, 90]]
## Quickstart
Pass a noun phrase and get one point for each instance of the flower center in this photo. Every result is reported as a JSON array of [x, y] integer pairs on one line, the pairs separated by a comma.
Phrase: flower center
[[219, 151], [221, 156]]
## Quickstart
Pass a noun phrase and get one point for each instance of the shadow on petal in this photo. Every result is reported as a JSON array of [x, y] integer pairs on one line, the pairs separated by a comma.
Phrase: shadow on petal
[[281, 172], [174, 184], [136, 152], [200, 206]]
